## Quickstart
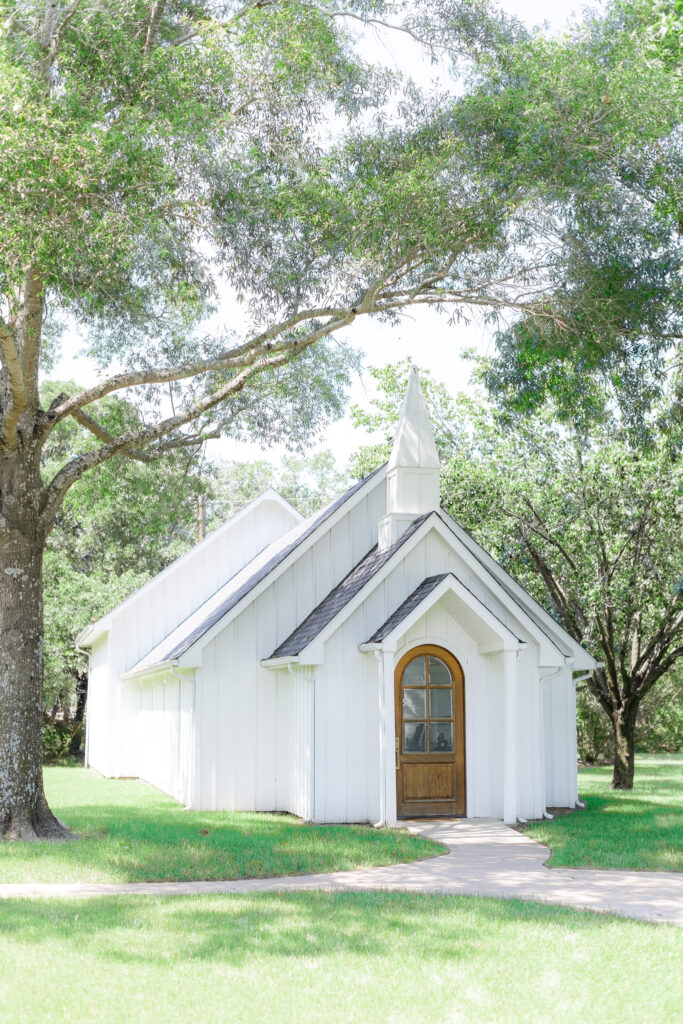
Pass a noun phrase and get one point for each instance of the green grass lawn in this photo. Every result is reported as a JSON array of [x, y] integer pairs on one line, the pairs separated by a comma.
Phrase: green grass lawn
[[332, 959], [640, 829], [130, 832]]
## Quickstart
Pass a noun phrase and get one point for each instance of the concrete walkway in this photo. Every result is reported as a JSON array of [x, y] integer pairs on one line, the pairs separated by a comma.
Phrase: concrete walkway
[[485, 858]]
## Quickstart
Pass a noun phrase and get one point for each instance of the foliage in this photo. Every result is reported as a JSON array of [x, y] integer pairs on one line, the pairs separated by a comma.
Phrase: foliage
[[641, 829], [308, 483], [619, 245], [129, 831], [333, 958], [660, 717]]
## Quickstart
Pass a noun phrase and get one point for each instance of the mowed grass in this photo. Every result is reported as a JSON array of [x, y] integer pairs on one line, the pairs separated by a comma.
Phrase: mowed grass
[[332, 959], [640, 829], [127, 831]]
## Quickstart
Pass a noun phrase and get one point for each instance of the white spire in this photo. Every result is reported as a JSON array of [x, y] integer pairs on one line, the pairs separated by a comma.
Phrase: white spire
[[413, 469], [414, 442]]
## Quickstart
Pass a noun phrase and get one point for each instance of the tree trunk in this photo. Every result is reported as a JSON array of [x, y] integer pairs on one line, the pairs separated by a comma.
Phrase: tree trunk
[[24, 813], [624, 726]]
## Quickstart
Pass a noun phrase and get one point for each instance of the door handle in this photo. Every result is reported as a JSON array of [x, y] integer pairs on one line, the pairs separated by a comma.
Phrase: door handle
[[398, 753]]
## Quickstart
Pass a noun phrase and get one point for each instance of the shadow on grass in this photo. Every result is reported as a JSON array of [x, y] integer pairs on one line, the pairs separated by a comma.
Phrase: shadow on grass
[[234, 929], [163, 842]]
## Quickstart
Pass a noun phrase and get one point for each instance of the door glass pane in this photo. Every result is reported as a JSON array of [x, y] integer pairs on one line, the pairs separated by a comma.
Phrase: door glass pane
[[439, 674], [414, 704], [415, 737], [414, 672], [440, 737], [440, 704]]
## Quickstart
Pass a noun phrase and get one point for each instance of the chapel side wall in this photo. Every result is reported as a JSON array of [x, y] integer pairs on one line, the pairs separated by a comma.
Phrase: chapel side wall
[[99, 734], [164, 733], [559, 716], [247, 711], [165, 602]]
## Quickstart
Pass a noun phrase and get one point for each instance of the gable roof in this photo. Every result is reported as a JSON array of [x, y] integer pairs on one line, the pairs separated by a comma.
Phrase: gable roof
[[487, 629], [101, 625], [412, 602], [340, 596], [196, 625], [343, 599]]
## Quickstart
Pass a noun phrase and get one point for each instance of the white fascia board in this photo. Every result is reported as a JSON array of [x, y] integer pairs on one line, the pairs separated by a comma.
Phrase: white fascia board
[[270, 494], [192, 658], [152, 670], [287, 659], [531, 606], [550, 653], [506, 641], [88, 636]]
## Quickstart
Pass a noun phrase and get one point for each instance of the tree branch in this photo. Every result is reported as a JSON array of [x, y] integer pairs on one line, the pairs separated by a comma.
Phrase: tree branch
[[237, 358], [75, 468]]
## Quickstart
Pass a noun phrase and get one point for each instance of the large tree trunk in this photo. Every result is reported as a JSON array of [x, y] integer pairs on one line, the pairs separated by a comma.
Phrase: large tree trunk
[[24, 813], [624, 726]]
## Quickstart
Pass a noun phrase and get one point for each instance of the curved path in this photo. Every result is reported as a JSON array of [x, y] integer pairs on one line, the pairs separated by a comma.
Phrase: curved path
[[485, 858]]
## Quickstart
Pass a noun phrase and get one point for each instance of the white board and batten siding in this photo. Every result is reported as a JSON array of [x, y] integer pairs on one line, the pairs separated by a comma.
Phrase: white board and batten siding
[[150, 614], [248, 713]]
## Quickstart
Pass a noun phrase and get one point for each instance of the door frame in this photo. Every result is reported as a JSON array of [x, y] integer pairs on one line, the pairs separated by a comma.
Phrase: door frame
[[453, 663]]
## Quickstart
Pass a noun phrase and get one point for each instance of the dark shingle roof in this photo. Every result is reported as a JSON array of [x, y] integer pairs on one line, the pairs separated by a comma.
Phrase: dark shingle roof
[[338, 598], [403, 610], [236, 596]]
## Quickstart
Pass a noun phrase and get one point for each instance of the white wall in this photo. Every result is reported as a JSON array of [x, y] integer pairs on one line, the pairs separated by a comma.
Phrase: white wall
[[148, 616], [164, 733], [559, 716], [100, 700], [248, 713]]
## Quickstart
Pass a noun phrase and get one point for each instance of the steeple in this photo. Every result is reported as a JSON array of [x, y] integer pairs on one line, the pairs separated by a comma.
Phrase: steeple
[[413, 469]]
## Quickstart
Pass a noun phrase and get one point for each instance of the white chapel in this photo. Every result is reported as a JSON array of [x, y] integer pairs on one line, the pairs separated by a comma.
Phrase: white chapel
[[368, 664]]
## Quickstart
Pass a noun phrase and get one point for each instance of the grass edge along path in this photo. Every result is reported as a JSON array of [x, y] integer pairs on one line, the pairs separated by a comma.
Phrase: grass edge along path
[[128, 831], [333, 959], [639, 829]]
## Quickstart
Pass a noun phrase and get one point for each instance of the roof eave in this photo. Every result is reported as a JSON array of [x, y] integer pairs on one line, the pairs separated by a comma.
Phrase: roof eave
[[149, 670]]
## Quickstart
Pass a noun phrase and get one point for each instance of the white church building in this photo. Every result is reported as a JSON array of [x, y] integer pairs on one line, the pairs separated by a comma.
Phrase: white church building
[[370, 663]]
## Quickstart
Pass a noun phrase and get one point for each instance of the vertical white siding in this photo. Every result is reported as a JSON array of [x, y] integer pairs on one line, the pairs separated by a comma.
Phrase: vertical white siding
[[559, 717], [164, 733], [100, 700]]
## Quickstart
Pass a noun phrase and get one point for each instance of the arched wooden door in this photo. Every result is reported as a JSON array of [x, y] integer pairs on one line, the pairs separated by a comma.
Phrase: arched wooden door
[[430, 734]]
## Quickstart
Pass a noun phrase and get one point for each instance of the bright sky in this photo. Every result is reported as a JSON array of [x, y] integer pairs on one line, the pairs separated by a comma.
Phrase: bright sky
[[423, 335]]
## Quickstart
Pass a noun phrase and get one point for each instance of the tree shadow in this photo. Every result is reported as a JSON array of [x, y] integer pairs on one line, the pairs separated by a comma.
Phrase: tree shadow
[[233, 929]]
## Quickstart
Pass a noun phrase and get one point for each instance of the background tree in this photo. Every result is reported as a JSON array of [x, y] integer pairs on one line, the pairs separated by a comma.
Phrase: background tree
[[157, 154], [307, 482], [588, 521]]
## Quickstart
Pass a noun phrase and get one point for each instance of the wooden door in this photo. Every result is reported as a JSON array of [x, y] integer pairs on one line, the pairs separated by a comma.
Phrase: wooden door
[[430, 734]]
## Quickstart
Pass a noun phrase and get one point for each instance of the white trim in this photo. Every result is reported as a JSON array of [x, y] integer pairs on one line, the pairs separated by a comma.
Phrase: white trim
[[300, 549], [153, 670], [102, 625], [510, 681], [507, 640], [550, 652], [388, 669], [520, 595]]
